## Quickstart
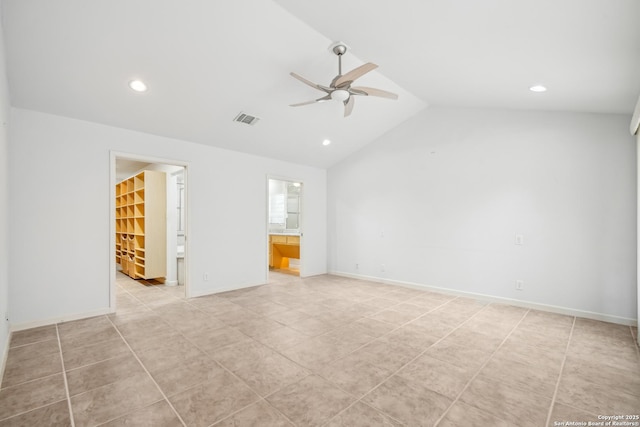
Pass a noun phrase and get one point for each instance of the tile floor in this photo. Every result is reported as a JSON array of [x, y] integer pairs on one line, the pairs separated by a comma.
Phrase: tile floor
[[321, 351]]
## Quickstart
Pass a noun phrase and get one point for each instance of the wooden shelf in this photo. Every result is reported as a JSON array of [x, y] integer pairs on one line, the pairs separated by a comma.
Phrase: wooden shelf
[[141, 218]]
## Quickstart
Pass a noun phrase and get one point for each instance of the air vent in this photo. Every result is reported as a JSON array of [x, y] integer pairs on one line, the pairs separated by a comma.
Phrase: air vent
[[246, 118]]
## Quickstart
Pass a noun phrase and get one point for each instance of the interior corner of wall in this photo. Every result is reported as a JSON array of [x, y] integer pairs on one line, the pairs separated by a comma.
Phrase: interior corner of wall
[[635, 119]]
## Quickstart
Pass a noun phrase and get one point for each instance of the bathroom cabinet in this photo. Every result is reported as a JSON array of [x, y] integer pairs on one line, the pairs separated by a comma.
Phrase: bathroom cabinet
[[141, 225]]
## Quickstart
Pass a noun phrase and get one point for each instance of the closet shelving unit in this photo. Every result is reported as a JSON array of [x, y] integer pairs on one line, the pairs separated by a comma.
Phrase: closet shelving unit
[[141, 230]]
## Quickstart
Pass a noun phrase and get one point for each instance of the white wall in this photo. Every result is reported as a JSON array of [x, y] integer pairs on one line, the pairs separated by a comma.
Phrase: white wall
[[59, 178], [4, 199], [451, 188]]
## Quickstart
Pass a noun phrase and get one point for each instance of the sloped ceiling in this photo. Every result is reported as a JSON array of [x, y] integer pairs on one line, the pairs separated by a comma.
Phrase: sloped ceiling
[[206, 61]]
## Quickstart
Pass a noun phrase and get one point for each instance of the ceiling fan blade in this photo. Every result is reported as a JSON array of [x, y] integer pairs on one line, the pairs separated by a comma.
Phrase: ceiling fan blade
[[354, 74], [348, 106], [370, 91], [310, 83], [324, 98]]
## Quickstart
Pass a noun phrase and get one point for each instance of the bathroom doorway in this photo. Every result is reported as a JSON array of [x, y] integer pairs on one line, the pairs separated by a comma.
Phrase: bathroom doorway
[[150, 223], [284, 228]]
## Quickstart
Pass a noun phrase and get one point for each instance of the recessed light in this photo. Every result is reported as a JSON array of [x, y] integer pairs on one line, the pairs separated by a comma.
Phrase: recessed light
[[538, 88], [326, 142], [138, 85]]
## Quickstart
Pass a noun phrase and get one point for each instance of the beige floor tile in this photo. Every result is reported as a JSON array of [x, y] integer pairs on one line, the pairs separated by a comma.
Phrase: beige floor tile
[[462, 356], [563, 413], [625, 380], [288, 317], [461, 414], [541, 339], [471, 338], [241, 353], [18, 370], [312, 327], [431, 300], [623, 355], [33, 335], [361, 415], [89, 337], [270, 373], [114, 400], [88, 377], [260, 414], [187, 374], [436, 375], [158, 414], [349, 336], [517, 407], [530, 377], [157, 340], [411, 335], [302, 340], [31, 351], [385, 356], [433, 325], [496, 328], [86, 355], [257, 327], [372, 327], [306, 357], [531, 355], [31, 395], [170, 355], [281, 338], [394, 317], [354, 375], [408, 402], [310, 402], [549, 323], [212, 400], [54, 415], [212, 340], [597, 398], [82, 326]]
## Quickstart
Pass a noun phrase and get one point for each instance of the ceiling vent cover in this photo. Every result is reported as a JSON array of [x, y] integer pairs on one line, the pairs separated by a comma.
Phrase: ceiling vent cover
[[246, 118]]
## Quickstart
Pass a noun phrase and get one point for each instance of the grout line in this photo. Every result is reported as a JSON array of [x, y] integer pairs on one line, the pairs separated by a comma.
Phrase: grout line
[[148, 373], [208, 355], [64, 377], [401, 367], [486, 362], [564, 359]]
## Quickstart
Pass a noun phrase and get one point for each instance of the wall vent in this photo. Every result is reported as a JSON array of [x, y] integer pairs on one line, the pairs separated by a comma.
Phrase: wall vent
[[246, 118]]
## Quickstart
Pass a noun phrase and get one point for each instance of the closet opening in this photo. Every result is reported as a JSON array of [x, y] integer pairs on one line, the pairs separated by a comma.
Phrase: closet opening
[[149, 224]]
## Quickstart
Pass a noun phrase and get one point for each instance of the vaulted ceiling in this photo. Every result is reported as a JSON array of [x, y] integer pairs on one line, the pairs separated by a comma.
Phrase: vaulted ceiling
[[206, 61]]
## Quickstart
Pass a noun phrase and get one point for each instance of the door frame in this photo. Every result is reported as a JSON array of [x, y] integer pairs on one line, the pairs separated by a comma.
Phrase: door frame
[[301, 223], [113, 157]]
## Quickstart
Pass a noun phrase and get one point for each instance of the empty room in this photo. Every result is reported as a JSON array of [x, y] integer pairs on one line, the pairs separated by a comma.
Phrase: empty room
[[338, 213]]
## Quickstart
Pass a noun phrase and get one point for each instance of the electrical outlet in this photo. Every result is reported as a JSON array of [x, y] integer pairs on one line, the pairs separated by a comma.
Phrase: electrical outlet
[[205, 276], [357, 266], [519, 285], [519, 239], [382, 268]]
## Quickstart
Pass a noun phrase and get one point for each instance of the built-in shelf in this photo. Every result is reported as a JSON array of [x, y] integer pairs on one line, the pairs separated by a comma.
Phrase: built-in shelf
[[141, 214]]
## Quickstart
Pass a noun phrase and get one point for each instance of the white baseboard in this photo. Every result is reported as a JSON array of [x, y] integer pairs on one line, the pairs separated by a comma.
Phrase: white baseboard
[[61, 319], [222, 289], [490, 298], [5, 354]]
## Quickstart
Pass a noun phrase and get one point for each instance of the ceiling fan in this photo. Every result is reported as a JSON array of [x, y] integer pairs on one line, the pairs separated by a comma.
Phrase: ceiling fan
[[340, 88]]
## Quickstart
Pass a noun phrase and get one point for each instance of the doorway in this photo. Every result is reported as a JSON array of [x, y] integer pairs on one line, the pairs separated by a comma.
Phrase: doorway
[[149, 221], [284, 227]]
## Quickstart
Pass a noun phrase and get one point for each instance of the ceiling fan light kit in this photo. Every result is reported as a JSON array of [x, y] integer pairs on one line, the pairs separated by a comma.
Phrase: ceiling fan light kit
[[340, 88]]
